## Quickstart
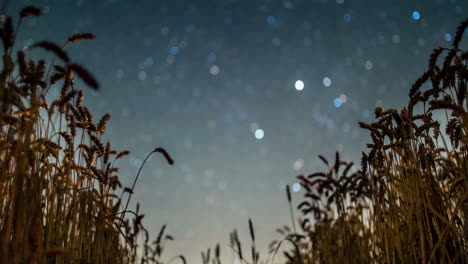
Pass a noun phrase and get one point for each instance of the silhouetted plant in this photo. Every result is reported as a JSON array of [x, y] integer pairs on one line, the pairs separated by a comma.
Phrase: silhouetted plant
[[58, 182], [409, 201]]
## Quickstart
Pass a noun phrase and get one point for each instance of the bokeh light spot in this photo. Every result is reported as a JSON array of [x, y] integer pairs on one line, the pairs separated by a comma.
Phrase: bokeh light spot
[[296, 187], [148, 62], [214, 70], [228, 20], [259, 134], [448, 37], [299, 85], [337, 102], [298, 164], [347, 18], [211, 57], [365, 113], [190, 28], [142, 75], [174, 50], [271, 20], [343, 98]]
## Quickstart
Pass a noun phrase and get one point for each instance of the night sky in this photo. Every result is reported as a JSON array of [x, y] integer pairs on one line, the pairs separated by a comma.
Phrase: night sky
[[243, 94]]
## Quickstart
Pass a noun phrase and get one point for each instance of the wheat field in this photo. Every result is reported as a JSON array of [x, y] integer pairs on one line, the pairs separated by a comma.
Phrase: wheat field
[[62, 201]]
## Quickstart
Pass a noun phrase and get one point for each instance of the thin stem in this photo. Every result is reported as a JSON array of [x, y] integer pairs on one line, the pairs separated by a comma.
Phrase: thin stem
[[288, 195], [131, 192], [136, 179]]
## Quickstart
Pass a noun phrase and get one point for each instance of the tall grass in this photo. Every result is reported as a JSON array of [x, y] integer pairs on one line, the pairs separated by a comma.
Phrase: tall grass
[[409, 201], [60, 194]]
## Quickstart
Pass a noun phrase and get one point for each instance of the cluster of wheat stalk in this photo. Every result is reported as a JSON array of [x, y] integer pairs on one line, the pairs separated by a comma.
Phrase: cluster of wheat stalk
[[58, 180], [409, 201]]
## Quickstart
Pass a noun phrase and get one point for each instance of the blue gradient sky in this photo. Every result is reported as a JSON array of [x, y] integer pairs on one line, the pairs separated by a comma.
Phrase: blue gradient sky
[[199, 78]]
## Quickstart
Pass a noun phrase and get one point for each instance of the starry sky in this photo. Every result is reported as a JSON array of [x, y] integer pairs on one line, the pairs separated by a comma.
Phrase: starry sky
[[244, 94]]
